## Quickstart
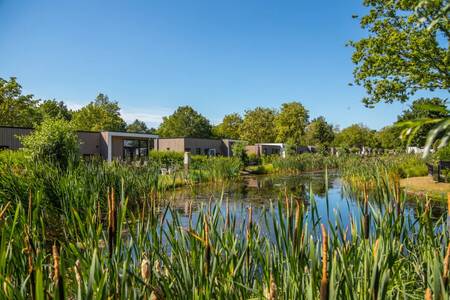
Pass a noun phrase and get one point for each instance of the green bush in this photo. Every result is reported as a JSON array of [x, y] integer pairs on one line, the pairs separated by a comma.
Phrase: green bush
[[167, 159], [53, 141]]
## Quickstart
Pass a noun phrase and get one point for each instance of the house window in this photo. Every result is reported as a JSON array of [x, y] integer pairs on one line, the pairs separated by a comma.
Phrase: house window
[[211, 152], [4, 147], [133, 149], [187, 149], [198, 151]]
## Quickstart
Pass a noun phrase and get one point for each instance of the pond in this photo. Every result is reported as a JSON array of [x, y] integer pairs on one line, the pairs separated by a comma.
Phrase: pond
[[332, 201]]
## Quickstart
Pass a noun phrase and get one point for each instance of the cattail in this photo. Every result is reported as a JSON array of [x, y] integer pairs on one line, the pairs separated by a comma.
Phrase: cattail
[[227, 214], [324, 280], [145, 269], [55, 263], [157, 294], [375, 248], [250, 221], [428, 294], [297, 222], [56, 271], [111, 221], [446, 264], [4, 209], [270, 293], [77, 269], [157, 267], [366, 226], [207, 246]]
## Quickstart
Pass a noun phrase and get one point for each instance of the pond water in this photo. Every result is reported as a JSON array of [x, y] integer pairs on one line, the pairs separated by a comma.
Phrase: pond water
[[332, 201]]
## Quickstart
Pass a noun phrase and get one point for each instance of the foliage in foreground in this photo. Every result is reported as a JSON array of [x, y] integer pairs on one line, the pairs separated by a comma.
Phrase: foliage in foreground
[[153, 250]]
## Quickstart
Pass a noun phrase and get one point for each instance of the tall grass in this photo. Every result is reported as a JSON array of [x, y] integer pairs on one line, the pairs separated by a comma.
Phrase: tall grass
[[285, 251]]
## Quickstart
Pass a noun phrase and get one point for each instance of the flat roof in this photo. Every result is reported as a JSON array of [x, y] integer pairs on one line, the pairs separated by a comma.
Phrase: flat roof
[[131, 134]]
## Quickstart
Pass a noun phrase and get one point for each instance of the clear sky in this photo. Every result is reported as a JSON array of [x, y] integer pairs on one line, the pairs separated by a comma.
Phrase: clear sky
[[217, 56]]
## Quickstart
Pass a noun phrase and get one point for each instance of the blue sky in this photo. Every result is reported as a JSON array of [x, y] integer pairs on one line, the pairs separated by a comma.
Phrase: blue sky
[[217, 56]]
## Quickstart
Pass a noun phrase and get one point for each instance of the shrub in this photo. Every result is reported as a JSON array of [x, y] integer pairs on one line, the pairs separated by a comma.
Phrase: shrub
[[167, 159], [53, 141], [239, 151]]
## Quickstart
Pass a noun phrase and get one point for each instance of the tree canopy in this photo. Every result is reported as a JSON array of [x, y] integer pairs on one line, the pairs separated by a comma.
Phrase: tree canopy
[[319, 132], [258, 126], [230, 127], [405, 51], [137, 126], [389, 137], [99, 115], [185, 122], [54, 109], [290, 123], [356, 136], [16, 109]]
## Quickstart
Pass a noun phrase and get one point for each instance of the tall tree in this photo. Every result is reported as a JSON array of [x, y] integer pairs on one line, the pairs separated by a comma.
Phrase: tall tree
[[422, 109], [389, 137], [356, 136], [99, 115], [291, 122], [406, 49], [258, 126], [137, 126], [230, 126], [16, 109], [185, 122], [54, 109], [319, 132]]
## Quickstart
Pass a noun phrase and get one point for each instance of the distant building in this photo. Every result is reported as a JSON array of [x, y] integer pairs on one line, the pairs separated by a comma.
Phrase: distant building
[[196, 146], [276, 148], [106, 144]]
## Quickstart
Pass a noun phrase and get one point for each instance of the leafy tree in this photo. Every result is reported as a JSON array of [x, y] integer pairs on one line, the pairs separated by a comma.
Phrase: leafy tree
[[137, 126], [238, 150], [389, 137], [99, 115], [16, 109], [258, 126], [406, 49], [319, 132], [291, 122], [54, 109], [422, 111], [185, 122], [54, 141], [356, 136], [230, 126]]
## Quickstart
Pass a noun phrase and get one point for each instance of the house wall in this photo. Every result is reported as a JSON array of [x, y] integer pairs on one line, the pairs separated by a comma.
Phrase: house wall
[[252, 149], [201, 146], [104, 145], [89, 142], [117, 147], [175, 144], [8, 137]]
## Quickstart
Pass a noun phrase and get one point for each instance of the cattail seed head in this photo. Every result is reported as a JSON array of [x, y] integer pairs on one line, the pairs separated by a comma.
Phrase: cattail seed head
[[145, 269], [55, 263], [446, 264], [428, 294], [375, 248]]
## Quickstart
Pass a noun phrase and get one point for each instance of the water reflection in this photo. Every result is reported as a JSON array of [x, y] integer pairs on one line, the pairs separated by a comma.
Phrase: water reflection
[[332, 202]]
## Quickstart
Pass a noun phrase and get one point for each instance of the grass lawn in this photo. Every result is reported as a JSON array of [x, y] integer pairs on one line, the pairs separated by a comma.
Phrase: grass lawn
[[425, 184]]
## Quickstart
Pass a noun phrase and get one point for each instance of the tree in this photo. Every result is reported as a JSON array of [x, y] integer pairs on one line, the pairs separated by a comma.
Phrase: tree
[[54, 141], [258, 126], [137, 126], [422, 109], [406, 50], [356, 136], [389, 137], [16, 109], [185, 122], [291, 122], [99, 115], [54, 109], [230, 126], [319, 132]]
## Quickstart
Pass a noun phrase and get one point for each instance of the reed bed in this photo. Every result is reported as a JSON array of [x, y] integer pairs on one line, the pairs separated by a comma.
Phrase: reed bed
[[284, 250]]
